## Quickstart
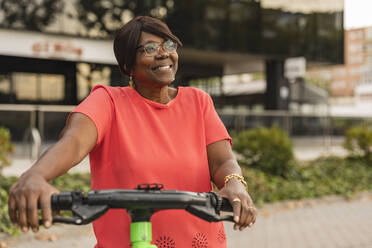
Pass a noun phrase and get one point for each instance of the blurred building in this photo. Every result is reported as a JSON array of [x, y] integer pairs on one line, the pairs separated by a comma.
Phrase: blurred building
[[350, 85], [52, 52]]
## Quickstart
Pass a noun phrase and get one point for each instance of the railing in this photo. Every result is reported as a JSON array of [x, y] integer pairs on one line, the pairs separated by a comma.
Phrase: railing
[[31, 126], [33, 138], [296, 124]]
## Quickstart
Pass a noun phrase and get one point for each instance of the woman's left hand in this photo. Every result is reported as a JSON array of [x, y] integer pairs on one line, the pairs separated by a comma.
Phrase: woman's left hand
[[243, 208]]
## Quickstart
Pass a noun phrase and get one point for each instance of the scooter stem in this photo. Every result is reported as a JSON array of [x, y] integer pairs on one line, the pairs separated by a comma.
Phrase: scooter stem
[[141, 235]]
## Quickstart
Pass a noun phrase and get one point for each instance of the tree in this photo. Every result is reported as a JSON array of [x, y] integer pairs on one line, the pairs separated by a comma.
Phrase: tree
[[102, 18], [29, 14]]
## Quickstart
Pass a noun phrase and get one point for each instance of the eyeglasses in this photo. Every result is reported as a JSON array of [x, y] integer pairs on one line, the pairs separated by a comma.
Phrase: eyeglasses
[[152, 48]]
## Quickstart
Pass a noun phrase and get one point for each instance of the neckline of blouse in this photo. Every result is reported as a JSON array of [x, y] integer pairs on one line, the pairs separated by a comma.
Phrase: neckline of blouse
[[156, 104]]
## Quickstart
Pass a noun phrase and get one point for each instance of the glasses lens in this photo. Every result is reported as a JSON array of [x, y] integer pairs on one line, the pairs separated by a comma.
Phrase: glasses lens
[[170, 46], [151, 48]]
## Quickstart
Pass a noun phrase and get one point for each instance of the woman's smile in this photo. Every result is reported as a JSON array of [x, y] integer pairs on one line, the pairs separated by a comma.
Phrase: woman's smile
[[162, 68]]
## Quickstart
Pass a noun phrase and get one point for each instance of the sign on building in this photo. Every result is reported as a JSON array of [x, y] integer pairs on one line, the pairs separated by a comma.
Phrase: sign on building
[[294, 67]]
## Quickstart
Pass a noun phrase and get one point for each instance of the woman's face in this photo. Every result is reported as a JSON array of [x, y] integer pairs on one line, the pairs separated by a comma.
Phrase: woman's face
[[158, 68]]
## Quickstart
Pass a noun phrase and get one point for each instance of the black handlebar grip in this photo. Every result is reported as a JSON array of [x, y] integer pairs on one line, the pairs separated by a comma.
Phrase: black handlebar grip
[[226, 206], [62, 201]]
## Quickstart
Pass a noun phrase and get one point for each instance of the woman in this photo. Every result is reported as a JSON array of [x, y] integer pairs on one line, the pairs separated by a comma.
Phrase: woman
[[147, 132]]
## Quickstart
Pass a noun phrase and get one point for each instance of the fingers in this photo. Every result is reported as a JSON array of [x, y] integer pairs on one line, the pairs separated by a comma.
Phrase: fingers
[[23, 201], [22, 214], [244, 216], [32, 213], [249, 215], [12, 207], [244, 213], [25, 213], [46, 210], [240, 213], [253, 214], [236, 205]]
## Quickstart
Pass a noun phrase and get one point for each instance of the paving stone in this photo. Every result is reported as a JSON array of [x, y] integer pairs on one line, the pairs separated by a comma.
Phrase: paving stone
[[334, 224]]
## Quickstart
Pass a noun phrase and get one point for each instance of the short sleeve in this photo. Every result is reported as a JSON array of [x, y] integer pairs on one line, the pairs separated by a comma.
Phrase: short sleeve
[[215, 130], [98, 106]]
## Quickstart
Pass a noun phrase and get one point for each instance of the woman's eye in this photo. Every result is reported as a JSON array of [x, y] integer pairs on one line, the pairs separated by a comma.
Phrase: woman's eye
[[150, 48], [169, 45]]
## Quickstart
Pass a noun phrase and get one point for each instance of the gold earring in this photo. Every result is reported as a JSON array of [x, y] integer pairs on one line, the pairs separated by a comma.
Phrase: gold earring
[[130, 82]]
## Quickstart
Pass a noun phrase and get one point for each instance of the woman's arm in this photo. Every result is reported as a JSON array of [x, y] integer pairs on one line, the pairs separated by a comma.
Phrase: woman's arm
[[222, 162], [77, 139]]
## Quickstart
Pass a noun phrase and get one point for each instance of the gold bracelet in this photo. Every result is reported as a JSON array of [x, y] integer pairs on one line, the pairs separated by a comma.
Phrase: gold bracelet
[[238, 177]]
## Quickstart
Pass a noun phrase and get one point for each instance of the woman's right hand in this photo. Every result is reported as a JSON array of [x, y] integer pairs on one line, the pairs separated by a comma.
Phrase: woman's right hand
[[77, 139], [30, 191]]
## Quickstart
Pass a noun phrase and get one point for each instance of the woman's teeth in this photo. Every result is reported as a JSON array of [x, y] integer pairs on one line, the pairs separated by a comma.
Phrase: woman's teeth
[[165, 67]]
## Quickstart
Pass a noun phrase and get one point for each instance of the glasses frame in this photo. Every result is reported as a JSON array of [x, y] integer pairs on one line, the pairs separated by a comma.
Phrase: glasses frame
[[158, 47]]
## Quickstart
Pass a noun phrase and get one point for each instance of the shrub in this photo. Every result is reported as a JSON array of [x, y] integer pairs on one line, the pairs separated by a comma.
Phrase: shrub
[[5, 147], [358, 141], [5, 223], [321, 177], [267, 149]]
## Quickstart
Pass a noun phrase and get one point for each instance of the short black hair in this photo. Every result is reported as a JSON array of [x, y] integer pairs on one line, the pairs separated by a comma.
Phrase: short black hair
[[127, 38]]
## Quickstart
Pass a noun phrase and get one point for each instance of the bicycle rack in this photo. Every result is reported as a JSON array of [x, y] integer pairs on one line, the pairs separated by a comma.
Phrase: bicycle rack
[[35, 139]]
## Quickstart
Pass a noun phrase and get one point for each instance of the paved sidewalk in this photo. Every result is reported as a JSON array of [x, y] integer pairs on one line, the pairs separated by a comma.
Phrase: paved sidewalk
[[340, 224], [328, 223]]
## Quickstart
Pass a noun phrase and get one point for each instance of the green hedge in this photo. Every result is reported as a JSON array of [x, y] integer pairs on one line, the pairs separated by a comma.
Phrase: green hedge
[[267, 149], [5, 147], [358, 142], [321, 177], [5, 223]]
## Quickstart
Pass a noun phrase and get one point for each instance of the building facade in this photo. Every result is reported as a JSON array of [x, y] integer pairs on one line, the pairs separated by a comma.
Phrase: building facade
[[351, 84], [54, 52]]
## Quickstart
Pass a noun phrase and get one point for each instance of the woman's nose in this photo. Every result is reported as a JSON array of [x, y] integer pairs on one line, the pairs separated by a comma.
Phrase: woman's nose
[[162, 53]]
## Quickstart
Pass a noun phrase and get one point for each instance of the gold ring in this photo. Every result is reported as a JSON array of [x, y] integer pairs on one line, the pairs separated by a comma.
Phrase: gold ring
[[236, 200]]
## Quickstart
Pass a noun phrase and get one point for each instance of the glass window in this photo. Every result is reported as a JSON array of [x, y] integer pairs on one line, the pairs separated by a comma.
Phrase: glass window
[[52, 87], [336, 85], [4, 84], [369, 33], [25, 86], [356, 47], [356, 59], [90, 75], [38, 87]]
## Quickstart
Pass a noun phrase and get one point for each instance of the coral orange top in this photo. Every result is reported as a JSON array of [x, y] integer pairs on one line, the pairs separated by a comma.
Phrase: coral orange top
[[141, 141]]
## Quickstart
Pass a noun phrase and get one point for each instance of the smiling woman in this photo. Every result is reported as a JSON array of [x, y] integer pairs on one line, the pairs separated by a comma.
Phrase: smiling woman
[[156, 69], [146, 51], [146, 133]]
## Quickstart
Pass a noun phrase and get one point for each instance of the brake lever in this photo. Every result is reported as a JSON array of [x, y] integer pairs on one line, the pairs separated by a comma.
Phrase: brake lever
[[82, 214], [211, 212], [74, 220], [227, 218]]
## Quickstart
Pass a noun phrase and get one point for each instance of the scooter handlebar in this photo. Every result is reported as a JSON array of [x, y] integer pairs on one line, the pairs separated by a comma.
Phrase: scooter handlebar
[[88, 207]]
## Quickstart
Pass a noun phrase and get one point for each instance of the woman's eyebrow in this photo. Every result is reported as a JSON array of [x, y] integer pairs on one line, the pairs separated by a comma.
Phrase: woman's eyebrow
[[151, 41]]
